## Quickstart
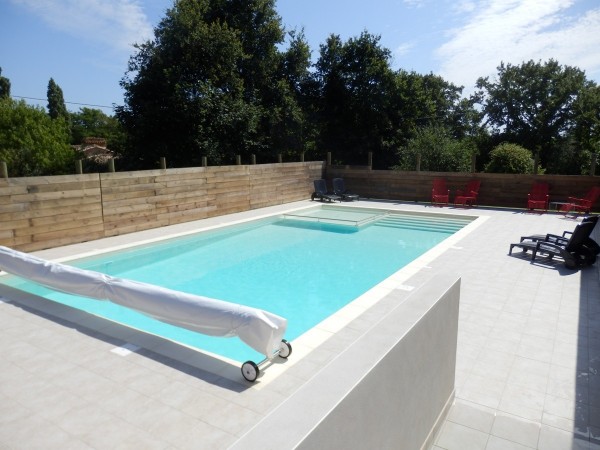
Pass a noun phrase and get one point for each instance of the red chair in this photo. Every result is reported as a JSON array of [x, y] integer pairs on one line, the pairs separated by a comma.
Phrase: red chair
[[582, 205], [538, 197], [468, 195], [440, 192]]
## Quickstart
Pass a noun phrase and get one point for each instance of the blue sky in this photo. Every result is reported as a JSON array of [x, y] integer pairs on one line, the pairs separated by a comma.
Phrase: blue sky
[[84, 45]]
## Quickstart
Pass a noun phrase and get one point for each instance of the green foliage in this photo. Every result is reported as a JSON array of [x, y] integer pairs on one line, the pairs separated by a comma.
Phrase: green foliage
[[31, 143], [438, 151], [541, 106], [90, 122], [354, 109], [510, 158], [56, 102], [4, 86], [212, 84]]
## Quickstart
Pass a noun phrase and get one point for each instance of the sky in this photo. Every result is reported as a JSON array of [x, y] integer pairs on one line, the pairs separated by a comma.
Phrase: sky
[[84, 45]]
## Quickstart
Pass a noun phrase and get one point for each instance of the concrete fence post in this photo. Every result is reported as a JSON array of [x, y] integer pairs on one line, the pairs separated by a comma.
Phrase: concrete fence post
[[238, 160], [328, 158], [163, 163], [253, 159], [3, 169], [204, 161], [78, 167], [370, 160], [111, 165], [279, 158]]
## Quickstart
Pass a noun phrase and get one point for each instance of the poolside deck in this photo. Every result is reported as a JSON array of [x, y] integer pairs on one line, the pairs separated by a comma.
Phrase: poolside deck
[[527, 373]]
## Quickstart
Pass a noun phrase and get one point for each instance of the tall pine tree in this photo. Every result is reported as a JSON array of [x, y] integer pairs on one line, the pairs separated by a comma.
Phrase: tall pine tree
[[56, 102]]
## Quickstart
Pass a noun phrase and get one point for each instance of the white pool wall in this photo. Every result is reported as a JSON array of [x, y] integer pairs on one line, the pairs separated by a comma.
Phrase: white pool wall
[[390, 389]]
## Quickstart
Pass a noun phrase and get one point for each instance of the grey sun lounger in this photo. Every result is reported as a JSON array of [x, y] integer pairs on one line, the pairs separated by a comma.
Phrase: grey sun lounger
[[577, 251], [321, 192], [340, 189], [543, 237]]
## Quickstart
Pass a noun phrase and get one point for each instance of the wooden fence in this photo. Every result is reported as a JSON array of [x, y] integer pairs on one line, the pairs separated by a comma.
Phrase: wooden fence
[[44, 212], [499, 190]]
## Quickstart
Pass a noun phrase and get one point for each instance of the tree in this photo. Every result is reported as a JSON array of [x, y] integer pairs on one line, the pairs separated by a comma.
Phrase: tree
[[56, 102], [4, 86], [31, 143], [534, 105], [292, 117], [94, 123], [429, 100], [355, 80], [437, 150], [510, 158], [206, 85]]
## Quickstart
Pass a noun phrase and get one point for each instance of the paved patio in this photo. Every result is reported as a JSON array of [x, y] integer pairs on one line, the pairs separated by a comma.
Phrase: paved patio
[[527, 363]]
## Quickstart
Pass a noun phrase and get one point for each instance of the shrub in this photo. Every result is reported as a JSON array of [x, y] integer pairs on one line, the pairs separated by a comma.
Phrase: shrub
[[439, 151], [510, 158]]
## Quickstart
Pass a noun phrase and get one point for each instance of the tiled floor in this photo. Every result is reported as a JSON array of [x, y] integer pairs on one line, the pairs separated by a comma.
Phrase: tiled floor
[[527, 363]]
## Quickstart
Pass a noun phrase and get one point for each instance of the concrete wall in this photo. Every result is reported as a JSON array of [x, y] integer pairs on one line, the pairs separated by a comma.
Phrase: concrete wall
[[389, 390]]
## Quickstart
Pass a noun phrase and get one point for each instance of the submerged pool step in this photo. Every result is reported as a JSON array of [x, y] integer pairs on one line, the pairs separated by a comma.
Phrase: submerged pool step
[[421, 223]]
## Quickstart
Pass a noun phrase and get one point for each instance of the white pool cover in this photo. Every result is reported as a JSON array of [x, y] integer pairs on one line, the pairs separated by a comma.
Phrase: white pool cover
[[261, 330]]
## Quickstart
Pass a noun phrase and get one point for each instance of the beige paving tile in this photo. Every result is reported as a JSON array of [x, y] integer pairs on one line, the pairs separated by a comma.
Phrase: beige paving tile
[[516, 429], [454, 436], [497, 443], [472, 415], [555, 439], [528, 356]]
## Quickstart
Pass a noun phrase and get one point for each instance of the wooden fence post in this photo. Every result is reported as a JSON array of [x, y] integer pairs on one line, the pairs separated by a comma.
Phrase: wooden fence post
[[204, 161], [253, 159], [593, 165], [163, 163], [418, 162], [328, 158], [111, 165], [78, 167], [238, 160], [279, 158], [3, 169]]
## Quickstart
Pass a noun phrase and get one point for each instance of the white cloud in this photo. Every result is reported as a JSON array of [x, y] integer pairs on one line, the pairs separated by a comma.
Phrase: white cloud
[[116, 23], [403, 49], [414, 3], [514, 31]]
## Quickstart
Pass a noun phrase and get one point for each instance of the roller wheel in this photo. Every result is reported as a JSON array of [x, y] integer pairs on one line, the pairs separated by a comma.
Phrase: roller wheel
[[250, 371], [285, 349]]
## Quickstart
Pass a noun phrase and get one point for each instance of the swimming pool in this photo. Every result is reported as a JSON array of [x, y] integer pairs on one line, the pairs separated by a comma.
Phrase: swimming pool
[[303, 265]]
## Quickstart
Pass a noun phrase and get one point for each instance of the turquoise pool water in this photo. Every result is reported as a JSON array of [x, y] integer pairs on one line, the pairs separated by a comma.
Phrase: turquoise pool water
[[300, 267]]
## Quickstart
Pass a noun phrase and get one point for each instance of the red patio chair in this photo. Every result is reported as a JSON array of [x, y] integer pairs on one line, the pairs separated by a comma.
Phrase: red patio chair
[[468, 195], [440, 192], [582, 205], [538, 197]]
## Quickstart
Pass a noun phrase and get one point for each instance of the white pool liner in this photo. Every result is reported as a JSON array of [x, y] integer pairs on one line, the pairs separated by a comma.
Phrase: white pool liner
[[261, 330]]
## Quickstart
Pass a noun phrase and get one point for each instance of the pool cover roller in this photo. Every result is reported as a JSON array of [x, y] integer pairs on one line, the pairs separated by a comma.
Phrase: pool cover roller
[[261, 330]]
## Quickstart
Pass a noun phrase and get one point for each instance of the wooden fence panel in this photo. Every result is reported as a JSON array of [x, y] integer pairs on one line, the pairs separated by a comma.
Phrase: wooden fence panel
[[499, 190], [61, 209], [43, 212]]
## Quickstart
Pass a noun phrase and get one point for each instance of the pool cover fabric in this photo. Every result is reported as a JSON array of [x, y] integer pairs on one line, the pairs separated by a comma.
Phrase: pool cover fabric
[[260, 329]]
